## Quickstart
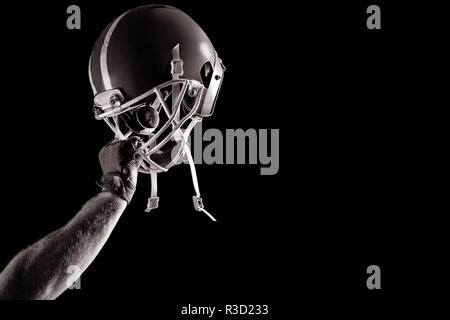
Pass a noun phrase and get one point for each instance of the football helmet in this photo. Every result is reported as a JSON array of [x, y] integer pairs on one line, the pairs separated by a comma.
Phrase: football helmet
[[155, 75]]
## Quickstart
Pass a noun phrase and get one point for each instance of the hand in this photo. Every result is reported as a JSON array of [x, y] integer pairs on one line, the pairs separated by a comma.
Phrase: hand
[[120, 163]]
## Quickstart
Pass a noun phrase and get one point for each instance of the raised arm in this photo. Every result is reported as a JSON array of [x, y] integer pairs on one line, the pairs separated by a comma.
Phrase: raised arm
[[41, 270]]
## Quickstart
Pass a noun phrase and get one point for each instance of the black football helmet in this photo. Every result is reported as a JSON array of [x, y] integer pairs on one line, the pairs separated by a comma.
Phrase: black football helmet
[[155, 74]]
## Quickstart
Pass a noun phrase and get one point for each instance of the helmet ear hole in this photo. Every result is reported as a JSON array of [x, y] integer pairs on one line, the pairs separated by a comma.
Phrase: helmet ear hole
[[206, 73]]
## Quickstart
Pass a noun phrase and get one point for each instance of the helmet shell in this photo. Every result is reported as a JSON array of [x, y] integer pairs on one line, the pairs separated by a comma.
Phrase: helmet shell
[[134, 52]]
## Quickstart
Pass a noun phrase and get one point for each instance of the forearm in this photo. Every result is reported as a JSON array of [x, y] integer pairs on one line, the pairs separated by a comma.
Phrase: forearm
[[40, 271]]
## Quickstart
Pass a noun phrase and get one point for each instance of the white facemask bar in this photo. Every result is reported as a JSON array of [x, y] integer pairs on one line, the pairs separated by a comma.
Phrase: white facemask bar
[[113, 107], [111, 111], [176, 130]]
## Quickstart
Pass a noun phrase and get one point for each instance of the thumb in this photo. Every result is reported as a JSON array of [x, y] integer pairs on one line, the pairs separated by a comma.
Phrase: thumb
[[137, 158]]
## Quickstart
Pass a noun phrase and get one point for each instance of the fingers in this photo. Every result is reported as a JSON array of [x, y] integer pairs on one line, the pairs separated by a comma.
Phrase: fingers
[[131, 149], [121, 155], [135, 142], [137, 155], [137, 159]]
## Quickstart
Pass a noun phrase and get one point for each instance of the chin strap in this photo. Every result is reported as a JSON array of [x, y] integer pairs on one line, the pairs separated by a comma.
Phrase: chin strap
[[197, 199], [154, 199], [176, 69]]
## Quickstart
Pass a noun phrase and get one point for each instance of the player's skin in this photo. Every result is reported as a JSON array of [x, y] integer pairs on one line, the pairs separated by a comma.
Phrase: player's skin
[[41, 270]]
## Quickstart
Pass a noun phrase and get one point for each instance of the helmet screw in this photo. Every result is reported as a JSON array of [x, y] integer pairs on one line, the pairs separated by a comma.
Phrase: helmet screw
[[193, 88], [115, 101], [192, 92]]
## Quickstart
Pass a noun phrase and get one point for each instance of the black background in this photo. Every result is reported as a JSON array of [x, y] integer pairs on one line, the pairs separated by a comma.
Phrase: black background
[[349, 103]]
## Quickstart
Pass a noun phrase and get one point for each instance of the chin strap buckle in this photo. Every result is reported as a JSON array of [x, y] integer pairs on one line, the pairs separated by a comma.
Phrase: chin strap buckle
[[152, 203], [176, 65], [198, 203], [154, 199]]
